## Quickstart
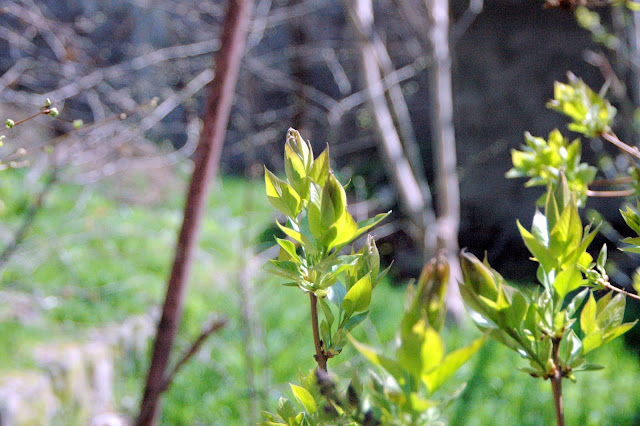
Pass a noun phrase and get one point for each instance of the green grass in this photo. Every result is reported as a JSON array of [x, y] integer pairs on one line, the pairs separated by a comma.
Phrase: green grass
[[104, 260]]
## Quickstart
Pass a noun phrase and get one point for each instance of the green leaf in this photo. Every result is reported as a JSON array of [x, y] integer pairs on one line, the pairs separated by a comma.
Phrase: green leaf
[[358, 297], [285, 409], [355, 320], [419, 404], [612, 313], [284, 268], [551, 210], [592, 341], [340, 233], [450, 364], [588, 316], [304, 397], [327, 310], [290, 248], [333, 203], [539, 228], [281, 195], [602, 257], [295, 170], [325, 333], [570, 348], [538, 250], [314, 211], [566, 235], [367, 224], [567, 280], [421, 349], [589, 367], [320, 169], [590, 113], [614, 332], [477, 276], [296, 235], [336, 294], [518, 310], [632, 219], [577, 300], [391, 366]]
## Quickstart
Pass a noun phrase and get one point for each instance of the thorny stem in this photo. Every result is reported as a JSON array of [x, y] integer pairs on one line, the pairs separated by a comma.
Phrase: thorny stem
[[556, 382], [321, 356], [611, 194], [611, 137]]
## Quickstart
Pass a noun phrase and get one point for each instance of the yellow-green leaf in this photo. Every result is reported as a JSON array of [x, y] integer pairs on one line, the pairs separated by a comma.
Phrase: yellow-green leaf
[[304, 397], [450, 364], [358, 297], [567, 280]]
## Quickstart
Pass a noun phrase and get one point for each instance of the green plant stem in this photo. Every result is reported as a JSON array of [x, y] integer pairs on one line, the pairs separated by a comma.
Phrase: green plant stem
[[556, 382], [321, 356]]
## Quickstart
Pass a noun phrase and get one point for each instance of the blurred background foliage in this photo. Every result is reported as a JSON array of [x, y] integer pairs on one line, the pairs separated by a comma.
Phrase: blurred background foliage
[[98, 250]]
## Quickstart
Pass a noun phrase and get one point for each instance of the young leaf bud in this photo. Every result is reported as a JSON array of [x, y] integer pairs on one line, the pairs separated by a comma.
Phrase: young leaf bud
[[300, 147], [9, 123], [334, 202], [477, 276]]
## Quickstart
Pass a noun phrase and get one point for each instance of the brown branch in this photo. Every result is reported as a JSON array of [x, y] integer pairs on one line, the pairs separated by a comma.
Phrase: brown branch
[[212, 328], [321, 356], [28, 220], [45, 111], [207, 159], [611, 137], [619, 290], [556, 382], [617, 181], [611, 194]]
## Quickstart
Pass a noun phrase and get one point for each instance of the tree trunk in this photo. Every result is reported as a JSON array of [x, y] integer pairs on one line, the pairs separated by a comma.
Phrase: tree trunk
[[206, 159]]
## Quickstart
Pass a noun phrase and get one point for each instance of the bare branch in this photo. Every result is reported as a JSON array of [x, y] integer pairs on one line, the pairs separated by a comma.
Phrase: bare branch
[[213, 327]]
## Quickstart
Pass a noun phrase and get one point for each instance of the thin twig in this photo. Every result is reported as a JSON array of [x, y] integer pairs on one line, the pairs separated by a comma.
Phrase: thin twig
[[616, 181], [212, 328], [45, 111], [611, 137], [27, 221], [619, 290], [611, 194]]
